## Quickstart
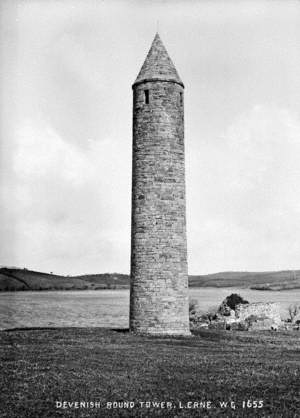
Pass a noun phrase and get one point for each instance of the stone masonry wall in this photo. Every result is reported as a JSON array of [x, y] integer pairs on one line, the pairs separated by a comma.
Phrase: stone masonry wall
[[159, 281], [269, 310]]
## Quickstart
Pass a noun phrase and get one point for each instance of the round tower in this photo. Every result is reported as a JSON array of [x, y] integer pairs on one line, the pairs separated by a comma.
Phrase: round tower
[[159, 279]]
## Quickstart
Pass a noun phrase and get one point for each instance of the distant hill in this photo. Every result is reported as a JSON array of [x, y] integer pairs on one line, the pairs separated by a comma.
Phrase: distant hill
[[12, 279], [23, 279], [270, 280]]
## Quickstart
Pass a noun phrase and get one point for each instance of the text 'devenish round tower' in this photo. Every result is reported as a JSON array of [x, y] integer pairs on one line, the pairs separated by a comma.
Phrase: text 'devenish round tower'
[[159, 279]]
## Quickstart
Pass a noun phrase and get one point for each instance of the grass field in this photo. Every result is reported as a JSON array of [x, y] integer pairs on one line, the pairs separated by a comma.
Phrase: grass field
[[42, 366]]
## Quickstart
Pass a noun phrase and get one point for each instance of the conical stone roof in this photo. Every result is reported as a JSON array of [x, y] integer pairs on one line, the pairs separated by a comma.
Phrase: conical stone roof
[[158, 65]]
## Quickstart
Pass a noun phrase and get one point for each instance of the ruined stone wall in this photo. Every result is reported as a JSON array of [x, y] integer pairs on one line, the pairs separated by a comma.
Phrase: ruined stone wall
[[159, 281], [269, 310]]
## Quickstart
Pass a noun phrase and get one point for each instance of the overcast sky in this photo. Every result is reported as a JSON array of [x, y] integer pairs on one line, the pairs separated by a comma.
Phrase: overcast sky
[[66, 119]]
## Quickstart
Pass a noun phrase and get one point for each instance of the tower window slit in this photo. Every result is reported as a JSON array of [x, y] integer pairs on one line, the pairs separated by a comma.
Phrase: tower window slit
[[181, 99], [146, 96]]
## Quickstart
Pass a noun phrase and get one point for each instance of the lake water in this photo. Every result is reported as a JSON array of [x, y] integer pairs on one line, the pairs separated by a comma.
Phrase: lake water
[[107, 308]]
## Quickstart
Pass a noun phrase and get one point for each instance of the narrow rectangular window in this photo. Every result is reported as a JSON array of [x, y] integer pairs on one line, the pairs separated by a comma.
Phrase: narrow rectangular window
[[146, 96], [181, 99]]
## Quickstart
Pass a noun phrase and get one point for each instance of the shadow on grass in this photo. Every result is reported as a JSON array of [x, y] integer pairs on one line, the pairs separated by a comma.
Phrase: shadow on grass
[[120, 330], [33, 329], [217, 335]]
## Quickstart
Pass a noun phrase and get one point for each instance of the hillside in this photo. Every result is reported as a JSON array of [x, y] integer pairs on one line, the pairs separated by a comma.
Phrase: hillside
[[22, 279], [13, 279], [273, 280]]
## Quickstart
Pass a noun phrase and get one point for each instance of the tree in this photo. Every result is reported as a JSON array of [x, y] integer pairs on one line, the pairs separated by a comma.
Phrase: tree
[[234, 299], [293, 311]]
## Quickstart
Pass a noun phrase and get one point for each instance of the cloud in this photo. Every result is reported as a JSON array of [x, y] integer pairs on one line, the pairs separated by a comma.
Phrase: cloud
[[66, 130], [246, 208], [69, 205], [42, 154]]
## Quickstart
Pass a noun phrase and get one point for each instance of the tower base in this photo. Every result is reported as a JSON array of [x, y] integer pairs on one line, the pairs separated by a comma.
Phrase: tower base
[[161, 332]]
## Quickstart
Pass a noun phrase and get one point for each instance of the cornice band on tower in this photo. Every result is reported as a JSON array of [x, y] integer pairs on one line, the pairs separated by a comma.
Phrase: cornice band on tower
[[147, 80]]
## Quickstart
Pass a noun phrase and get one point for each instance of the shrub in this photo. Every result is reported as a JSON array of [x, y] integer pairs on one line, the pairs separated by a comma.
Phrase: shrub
[[293, 311], [239, 326], [199, 318], [234, 299], [208, 317], [255, 318], [193, 306], [212, 313]]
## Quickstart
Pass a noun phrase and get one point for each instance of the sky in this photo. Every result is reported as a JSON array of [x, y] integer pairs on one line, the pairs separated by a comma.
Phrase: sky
[[66, 70]]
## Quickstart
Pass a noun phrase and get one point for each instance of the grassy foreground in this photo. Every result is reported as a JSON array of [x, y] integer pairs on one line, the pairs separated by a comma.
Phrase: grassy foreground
[[42, 366]]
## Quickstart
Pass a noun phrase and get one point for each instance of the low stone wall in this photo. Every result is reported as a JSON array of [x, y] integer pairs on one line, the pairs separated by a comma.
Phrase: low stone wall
[[261, 310], [246, 317]]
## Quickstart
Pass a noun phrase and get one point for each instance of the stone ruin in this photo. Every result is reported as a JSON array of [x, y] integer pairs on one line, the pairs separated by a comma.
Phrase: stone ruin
[[256, 316], [245, 316]]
